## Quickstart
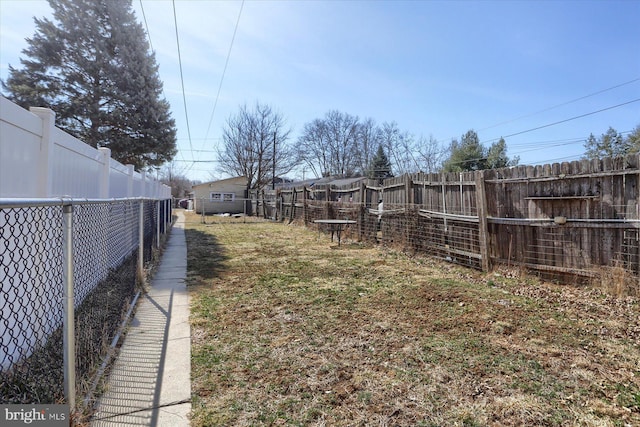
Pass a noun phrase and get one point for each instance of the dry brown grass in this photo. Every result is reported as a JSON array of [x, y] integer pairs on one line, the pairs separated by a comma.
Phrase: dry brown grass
[[289, 329], [617, 280]]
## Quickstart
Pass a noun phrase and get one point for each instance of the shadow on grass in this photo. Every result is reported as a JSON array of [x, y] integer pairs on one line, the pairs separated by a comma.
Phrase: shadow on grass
[[205, 256]]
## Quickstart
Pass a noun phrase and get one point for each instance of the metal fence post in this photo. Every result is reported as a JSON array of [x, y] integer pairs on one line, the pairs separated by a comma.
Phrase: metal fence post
[[140, 269], [158, 216], [68, 333]]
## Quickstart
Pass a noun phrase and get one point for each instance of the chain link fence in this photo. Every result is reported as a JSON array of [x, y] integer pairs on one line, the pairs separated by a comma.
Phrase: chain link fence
[[104, 266]]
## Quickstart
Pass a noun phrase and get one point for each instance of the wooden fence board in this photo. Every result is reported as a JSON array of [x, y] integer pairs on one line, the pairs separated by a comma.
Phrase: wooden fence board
[[503, 215]]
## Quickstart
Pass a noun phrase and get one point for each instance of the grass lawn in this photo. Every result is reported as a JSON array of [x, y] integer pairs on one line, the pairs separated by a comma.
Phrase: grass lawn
[[289, 329]]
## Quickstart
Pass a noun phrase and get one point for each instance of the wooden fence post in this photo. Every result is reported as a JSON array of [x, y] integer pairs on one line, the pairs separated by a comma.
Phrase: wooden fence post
[[483, 234], [305, 198], [408, 190], [363, 210], [292, 211]]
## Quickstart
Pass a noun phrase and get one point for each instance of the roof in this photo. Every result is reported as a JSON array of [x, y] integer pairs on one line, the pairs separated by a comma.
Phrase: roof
[[221, 181]]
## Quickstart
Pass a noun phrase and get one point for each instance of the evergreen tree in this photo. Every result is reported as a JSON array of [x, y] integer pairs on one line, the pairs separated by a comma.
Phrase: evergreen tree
[[92, 67], [470, 155], [466, 155], [633, 141], [497, 156], [610, 144], [380, 165]]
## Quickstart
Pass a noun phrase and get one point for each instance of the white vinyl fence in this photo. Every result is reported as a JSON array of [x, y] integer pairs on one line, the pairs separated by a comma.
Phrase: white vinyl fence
[[39, 160], [116, 217]]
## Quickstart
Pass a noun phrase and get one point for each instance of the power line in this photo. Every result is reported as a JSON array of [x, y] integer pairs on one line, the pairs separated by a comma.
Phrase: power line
[[569, 119], [224, 70], [548, 144], [556, 123], [197, 139], [534, 145], [184, 96], [560, 159], [561, 105], [557, 106], [199, 161], [553, 142], [146, 24]]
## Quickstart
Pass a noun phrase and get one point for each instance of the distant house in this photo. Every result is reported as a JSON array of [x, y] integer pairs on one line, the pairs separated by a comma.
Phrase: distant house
[[224, 196]]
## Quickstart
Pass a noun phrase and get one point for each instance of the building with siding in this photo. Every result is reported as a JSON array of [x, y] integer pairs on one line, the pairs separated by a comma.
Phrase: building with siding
[[218, 197]]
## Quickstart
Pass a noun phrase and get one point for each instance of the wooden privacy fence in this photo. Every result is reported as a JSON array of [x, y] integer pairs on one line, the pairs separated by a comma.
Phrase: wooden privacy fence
[[577, 219]]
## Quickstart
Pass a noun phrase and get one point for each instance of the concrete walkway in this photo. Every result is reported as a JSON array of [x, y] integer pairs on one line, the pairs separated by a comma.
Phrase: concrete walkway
[[149, 383]]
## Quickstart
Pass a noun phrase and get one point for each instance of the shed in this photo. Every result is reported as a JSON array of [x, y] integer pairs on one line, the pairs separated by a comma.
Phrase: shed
[[223, 196]]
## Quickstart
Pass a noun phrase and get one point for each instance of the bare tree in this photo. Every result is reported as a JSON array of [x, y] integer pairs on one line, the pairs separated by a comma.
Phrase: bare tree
[[329, 146], [400, 146], [368, 143], [312, 147], [342, 145], [430, 154], [343, 133], [255, 145], [174, 177]]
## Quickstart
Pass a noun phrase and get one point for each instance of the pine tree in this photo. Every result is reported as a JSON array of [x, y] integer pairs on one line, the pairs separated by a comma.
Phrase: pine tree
[[380, 165], [470, 155], [633, 140], [92, 67], [497, 156], [466, 155], [610, 144]]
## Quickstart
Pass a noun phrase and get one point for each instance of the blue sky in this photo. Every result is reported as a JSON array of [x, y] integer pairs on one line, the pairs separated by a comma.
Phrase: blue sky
[[437, 68]]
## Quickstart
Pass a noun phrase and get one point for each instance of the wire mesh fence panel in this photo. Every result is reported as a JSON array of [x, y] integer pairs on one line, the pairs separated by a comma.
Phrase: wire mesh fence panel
[[31, 272], [150, 218], [122, 233], [90, 238], [105, 245], [630, 252]]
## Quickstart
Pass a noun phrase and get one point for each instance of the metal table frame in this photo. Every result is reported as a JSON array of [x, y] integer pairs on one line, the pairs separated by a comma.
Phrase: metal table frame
[[335, 226]]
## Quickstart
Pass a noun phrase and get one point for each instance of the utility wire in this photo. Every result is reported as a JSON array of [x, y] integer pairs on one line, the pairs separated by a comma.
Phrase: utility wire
[[561, 105], [534, 145], [184, 96], [224, 71], [555, 123], [548, 144], [146, 24], [557, 106], [193, 162], [569, 119]]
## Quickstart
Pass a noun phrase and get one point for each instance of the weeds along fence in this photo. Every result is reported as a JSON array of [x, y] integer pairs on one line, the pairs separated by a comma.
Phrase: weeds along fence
[[572, 220], [69, 270]]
